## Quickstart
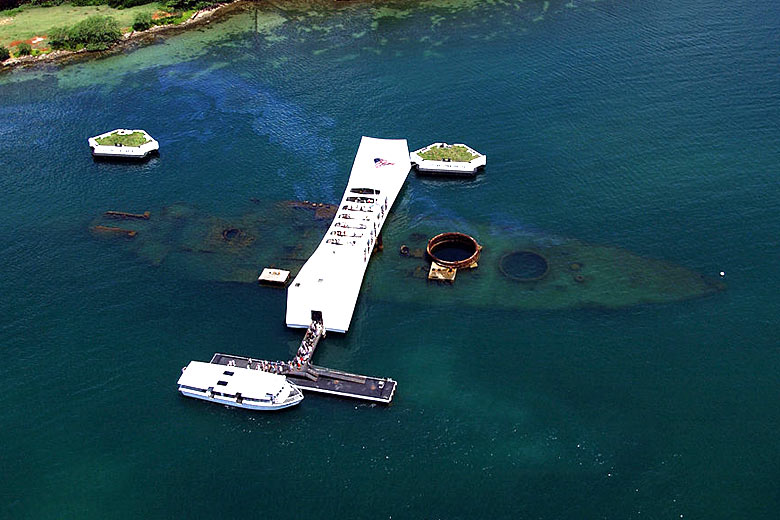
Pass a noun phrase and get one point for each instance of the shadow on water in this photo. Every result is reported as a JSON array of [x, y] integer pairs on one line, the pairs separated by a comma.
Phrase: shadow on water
[[150, 157]]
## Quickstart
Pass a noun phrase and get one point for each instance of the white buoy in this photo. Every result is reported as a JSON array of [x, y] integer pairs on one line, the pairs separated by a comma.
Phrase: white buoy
[[722, 274]]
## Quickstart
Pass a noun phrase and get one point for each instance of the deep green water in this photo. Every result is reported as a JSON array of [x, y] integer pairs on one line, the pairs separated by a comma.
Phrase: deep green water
[[652, 126]]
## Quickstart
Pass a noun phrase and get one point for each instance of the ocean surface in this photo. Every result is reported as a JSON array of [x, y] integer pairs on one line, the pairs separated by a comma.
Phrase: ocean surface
[[649, 126]]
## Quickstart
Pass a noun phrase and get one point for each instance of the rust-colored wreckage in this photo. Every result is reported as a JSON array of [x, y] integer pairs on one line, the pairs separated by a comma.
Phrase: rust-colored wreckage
[[120, 215], [449, 252]]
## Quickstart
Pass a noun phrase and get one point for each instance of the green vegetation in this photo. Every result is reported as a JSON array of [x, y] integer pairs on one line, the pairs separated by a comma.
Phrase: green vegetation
[[29, 21], [118, 4], [58, 38], [134, 139], [94, 33], [23, 49], [58, 25], [142, 21], [4, 53], [453, 153]]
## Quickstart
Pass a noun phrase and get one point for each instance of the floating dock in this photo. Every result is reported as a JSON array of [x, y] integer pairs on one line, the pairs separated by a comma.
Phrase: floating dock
[[311, 378], [330, 279], [324, 380]]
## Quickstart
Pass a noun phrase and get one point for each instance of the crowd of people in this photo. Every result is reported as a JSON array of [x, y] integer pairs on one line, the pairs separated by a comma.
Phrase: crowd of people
[[306, 349], [274, 367], [300, 360]]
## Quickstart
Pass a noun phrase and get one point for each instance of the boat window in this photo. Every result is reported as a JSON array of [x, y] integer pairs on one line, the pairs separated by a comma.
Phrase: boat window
[[192, 388], [365, 191], [222, 383], [228, 373]]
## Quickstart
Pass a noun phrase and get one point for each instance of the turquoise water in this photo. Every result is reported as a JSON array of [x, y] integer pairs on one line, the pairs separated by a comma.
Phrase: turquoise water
[[652, 126]]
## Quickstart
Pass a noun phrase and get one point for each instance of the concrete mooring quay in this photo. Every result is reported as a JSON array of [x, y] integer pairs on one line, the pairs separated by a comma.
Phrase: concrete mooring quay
[[308, 377]]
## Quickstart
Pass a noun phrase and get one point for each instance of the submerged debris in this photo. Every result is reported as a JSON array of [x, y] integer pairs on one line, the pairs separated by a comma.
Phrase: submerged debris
[[124, 215], [115, 231], [442, 273]]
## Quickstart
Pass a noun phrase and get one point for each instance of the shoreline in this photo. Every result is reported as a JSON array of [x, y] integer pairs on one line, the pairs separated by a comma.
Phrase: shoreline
[[135, 39], [129, 40]]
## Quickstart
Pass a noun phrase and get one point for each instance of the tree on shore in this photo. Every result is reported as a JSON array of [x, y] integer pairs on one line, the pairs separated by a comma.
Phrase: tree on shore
[[143, 21], [23, 49], [96, 33], [58, 38], [4, 53]]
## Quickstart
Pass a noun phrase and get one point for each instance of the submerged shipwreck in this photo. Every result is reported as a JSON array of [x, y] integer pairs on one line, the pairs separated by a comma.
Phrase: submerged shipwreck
[[516, 269]]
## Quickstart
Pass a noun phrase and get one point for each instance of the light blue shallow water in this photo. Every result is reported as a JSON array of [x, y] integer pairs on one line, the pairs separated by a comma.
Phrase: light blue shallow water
[[651, 126]]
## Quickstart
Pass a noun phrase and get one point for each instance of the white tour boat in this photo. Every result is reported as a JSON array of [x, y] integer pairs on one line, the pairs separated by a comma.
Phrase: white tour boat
[[239, 387]]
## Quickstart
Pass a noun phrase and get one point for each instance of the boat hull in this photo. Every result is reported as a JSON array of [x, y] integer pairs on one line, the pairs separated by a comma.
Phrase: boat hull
[[227, 401]]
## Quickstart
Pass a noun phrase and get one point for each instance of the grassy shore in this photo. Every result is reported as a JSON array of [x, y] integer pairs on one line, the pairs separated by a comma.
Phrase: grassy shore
[[27, 23]]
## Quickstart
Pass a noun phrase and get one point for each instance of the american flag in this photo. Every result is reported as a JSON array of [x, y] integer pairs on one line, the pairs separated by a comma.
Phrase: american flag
[[381, 162]]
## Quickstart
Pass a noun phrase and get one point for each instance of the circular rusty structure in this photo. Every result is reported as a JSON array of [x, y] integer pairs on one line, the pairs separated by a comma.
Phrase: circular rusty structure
[[454, 249], [524, 266]]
